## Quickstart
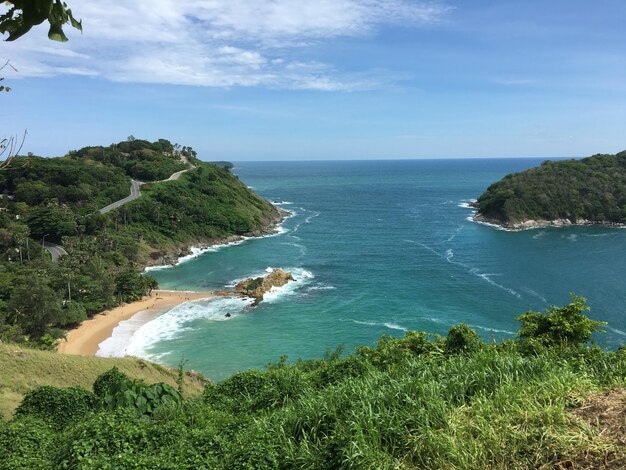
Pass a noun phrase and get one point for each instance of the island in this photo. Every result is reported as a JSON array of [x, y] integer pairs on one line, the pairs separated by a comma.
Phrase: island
[[589, 191]]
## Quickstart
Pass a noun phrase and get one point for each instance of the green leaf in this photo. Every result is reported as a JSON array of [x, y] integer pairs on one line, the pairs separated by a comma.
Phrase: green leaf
[[56, 33]]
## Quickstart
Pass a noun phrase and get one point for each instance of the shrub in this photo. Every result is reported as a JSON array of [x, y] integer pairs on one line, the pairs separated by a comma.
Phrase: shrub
[[109, 382], [58, 406], [462, 339], [25, 444], [565, 326]]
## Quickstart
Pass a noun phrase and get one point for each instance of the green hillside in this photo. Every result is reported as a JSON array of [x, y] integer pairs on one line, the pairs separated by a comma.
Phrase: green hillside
[[592, 189], [24, 369], [58, 199], [545, 400]]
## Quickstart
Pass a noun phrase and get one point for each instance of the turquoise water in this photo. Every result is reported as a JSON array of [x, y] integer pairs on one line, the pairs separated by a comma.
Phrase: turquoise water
[[380, 248]]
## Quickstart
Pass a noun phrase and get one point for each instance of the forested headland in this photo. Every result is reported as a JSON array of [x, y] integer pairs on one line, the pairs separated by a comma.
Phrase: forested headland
[[587, 191], [57, 200]]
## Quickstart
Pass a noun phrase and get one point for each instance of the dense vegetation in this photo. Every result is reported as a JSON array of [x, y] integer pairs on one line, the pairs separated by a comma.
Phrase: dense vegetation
[[414, 402], [24, 368], [58, 199], [592, 189]]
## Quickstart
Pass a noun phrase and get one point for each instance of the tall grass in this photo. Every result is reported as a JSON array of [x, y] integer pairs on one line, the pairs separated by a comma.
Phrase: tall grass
[[405, 404]]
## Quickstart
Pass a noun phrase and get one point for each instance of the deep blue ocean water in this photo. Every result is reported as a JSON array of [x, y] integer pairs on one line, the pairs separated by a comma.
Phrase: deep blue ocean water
[[381, 247]]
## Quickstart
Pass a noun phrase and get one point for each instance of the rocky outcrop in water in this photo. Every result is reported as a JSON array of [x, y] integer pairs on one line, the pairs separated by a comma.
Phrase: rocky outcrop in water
[[256, 287]]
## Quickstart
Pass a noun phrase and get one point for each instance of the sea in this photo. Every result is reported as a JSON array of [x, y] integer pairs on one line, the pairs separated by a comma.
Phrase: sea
[[376, 248]]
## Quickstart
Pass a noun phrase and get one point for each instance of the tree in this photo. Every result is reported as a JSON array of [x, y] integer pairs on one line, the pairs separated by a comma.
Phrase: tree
[[565, 326], [24, 14], [34, 306]]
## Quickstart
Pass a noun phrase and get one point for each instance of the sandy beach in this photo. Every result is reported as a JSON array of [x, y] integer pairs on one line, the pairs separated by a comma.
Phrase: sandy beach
[[85, 339]]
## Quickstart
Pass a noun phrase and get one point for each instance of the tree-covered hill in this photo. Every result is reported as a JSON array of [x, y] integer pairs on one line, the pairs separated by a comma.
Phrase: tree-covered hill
[[591, 190], [411, 403], [58, 199]]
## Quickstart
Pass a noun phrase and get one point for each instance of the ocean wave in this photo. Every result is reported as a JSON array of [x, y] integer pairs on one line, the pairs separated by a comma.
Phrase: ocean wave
[[535, 294], [615, 330], [487, 277], [391, 326], [321, 287], [136, 336], [449, 255], [466, 204], [115, 345], [301, 277], [177, 320], [489, 224], [394, 326], [281, 203], [484, 328]]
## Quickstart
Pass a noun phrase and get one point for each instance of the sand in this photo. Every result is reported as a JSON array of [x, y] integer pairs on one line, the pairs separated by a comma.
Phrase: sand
[[85, 339]]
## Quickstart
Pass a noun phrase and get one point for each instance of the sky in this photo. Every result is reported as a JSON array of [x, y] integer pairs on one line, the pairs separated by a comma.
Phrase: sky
[[327, 79]]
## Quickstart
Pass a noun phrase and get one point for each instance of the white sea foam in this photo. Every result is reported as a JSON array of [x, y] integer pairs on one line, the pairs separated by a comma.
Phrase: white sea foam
[[391, 326], [176, 321], [449, 255], [535, 294], [489, 224], [466, 204], [301, 277], [487, 277], [394, 326], [484, 328], [115, 346], [281, 203], [136, 339], [615, 330], [321, 287]]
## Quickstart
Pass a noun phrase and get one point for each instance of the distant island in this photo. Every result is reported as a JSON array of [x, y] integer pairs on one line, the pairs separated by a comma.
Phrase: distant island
[[590, 191]]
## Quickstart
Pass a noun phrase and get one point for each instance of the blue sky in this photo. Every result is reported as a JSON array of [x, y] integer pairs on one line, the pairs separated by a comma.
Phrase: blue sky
[[331, 79]]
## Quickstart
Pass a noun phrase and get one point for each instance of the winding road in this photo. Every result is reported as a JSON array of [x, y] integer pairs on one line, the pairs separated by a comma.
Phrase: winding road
[[134, 194], [57, 250]]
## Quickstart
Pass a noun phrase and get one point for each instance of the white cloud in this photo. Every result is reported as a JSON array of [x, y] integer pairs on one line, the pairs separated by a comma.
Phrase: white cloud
[[215, 43]]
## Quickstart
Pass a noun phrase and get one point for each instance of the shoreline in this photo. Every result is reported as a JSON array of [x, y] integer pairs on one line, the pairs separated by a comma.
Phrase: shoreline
[[539, 224], [85, 339], [186, 252]]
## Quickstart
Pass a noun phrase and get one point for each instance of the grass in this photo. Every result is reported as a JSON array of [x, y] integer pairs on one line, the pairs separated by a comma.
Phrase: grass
[[408, 403], [24, 369]]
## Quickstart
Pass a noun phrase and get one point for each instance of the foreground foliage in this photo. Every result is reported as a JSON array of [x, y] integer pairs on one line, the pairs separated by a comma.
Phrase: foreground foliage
[[413, 402], [592, 189]]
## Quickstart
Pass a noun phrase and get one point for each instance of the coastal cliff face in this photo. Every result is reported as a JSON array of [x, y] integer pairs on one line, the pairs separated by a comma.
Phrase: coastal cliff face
[[591, 191], [171, 256], [256, 288]]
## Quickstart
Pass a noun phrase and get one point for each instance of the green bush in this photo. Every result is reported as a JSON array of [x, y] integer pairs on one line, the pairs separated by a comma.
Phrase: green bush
[[142, 398], [109, 382], [58, 406], [26, 444], [565, 326], [462, 339]]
